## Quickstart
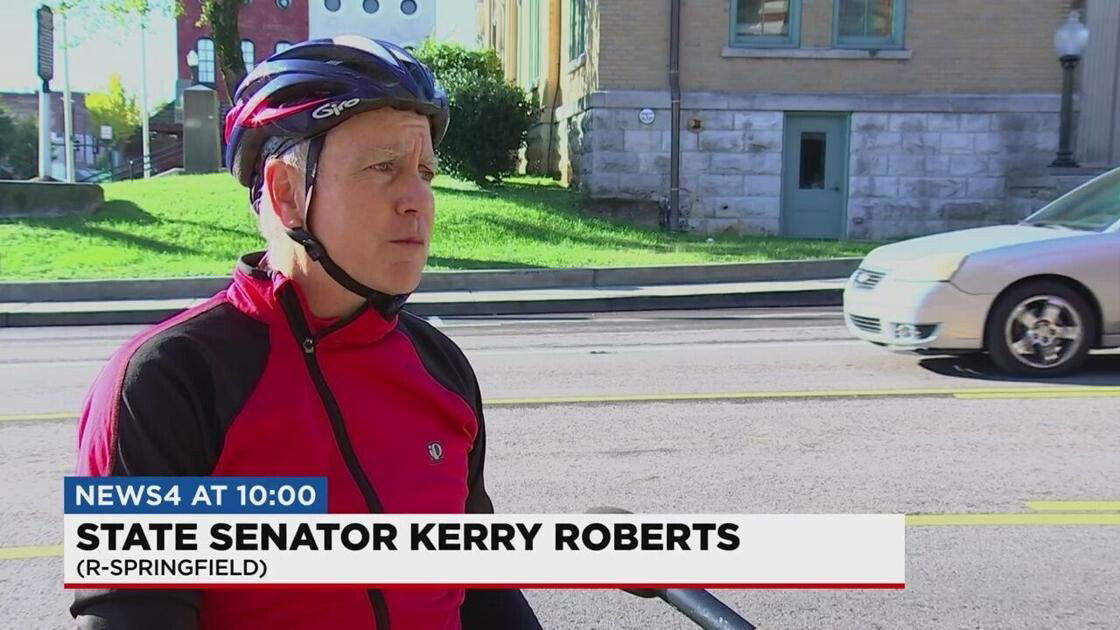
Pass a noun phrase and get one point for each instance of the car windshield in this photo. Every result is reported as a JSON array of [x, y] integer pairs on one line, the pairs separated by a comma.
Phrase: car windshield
[[1093, 207]]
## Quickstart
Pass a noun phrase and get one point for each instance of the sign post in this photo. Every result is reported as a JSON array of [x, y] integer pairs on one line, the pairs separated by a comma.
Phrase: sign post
[[67, 103], [45, 18]]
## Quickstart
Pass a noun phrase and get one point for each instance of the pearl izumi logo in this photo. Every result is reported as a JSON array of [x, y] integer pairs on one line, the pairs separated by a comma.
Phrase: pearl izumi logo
[[333, 109], [435, 452]]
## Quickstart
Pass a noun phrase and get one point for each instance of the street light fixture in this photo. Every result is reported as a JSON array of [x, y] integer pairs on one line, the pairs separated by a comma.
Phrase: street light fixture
[[1070, 41], [192, 61]]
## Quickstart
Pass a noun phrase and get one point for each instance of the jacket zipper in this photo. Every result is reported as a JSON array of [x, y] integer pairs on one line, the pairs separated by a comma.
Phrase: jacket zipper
[[342, 438]]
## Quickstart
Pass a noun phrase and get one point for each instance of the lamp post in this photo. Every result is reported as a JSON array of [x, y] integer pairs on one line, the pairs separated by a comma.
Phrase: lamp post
[[1069, 41], [192, 62]]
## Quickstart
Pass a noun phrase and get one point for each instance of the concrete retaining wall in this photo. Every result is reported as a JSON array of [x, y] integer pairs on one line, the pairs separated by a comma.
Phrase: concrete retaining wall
[[45, 199]]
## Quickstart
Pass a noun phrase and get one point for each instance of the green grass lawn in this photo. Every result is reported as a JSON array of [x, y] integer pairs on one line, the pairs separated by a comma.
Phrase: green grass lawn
[[198, 225]]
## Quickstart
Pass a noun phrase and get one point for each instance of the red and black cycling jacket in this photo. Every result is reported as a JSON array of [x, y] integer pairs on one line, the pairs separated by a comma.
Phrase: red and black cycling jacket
[[250, 383]]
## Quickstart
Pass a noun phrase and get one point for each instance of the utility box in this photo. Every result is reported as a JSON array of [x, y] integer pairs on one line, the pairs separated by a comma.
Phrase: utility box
[[202, 145]]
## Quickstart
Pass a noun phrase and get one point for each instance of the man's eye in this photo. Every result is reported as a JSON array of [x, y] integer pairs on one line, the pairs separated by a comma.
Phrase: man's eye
[[383, 167], [427, 174]]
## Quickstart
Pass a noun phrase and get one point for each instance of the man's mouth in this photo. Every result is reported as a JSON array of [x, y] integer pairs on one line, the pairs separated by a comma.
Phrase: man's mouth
[[408, 241]]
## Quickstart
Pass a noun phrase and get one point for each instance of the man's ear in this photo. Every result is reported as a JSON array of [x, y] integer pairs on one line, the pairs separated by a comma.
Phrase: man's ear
[[284, 193]]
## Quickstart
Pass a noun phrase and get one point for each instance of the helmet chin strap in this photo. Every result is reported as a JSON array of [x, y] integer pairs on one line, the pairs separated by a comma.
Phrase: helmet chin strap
[[386, 304]]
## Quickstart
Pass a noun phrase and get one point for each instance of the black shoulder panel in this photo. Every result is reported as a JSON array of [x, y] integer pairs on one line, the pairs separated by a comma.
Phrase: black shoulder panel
[[183, 388], [442, 358], [181, 391]]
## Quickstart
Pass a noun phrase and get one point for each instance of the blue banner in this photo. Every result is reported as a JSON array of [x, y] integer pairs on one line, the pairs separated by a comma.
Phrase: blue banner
[[195, 495]]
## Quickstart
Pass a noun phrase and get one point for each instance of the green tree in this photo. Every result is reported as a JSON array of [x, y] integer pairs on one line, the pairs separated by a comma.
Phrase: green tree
[[490, 117], [116, 108], [19, 146], [221, 16], [454, 65]]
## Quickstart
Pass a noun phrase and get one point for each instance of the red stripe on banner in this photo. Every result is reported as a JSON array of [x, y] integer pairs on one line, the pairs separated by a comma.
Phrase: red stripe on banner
[[257, 585]]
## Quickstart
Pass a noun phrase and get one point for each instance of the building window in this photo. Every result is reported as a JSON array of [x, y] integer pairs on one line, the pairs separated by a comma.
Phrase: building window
[[282, 45], [529, 44], [766, 23], [577, 29], [248, 54], [332, 5], [206, 72], [283, 4], [813, 150], [534, 42], [869, 23], [371, 6], [408, 7]]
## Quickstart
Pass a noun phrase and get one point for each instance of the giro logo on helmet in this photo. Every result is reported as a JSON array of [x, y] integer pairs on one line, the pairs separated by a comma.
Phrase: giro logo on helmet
[[333, 109]]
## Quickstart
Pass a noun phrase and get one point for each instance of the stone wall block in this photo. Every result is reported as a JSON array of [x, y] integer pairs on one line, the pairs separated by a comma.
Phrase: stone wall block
[[615, 162], [762, 185], [721, 141], [958, 143], [943, 122], [763, 141], [721, 185], [968, 165], [907, 165], [907, 122], [925, 143], [864, 122], [932, 187], [976, 122], [639, 141], [987, 187], [758, 121]]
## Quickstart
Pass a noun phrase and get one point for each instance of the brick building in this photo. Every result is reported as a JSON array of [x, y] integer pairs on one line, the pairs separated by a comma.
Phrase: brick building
[[816, 118], [268, 26], [87, 144], [265, 25]]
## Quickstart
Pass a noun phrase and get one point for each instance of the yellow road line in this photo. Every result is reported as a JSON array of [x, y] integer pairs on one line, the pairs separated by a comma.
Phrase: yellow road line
[[1073, 506], [1100, 392], [1027, 518], [963, 394], [32, 417], [23, 553], [995, 392]]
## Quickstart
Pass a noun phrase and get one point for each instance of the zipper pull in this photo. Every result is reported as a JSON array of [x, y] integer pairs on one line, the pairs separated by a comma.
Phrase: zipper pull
[[309, 345]]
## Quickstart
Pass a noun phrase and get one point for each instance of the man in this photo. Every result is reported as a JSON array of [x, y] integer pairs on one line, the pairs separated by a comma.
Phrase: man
[[306, 365]]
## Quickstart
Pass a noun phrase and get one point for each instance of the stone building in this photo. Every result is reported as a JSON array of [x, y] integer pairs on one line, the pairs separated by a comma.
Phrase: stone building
[[868, 119]]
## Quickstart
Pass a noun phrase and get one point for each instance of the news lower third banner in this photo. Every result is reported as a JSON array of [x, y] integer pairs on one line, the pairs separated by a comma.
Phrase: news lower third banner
[[236, 532]]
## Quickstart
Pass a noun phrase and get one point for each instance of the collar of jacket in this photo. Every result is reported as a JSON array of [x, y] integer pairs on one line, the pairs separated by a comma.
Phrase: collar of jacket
[[256, 291]]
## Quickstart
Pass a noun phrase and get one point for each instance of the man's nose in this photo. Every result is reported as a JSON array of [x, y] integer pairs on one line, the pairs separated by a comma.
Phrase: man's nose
[[415, 196]]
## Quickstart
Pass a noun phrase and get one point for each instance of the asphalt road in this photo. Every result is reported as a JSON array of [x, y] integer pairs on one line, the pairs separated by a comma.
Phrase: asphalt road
[[804, 420]]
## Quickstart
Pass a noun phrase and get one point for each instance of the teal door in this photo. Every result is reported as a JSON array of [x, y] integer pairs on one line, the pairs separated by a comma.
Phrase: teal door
[[814, 175]]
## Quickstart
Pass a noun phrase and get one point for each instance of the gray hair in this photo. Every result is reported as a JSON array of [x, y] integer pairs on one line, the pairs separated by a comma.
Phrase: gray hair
[[281, 248]]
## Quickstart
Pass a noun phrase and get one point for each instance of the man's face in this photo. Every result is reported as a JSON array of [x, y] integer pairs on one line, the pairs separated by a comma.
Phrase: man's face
[[372, 206]]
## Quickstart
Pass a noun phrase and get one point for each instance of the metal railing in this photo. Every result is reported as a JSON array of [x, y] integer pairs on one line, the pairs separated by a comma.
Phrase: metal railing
[[166, 158]]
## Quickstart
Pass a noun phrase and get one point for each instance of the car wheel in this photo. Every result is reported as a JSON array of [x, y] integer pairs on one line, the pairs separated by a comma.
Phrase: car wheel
[[1041, 328]]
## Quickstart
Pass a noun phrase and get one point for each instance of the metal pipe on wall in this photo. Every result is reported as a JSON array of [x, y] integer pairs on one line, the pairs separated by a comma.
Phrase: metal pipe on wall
[[675, 103]]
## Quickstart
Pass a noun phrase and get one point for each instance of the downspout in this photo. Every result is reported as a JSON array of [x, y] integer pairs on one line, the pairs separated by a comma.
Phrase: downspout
[[554, 126], [675, 102]]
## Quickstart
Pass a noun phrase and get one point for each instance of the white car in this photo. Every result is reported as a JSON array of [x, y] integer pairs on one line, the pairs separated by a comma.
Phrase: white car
[[1037, 296]]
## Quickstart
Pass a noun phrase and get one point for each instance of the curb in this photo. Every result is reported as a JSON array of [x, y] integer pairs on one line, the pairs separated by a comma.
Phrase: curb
[[486, 280], [762, 299]]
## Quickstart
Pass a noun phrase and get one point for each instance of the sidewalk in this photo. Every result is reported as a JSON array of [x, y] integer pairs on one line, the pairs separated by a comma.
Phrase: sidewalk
[[820, 292]]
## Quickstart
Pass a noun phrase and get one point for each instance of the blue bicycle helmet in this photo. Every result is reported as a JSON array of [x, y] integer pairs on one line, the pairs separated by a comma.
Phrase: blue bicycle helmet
[[301, 94]]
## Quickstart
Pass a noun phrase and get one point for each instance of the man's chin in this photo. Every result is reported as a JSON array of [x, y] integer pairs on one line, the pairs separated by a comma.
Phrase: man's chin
[[399, 280]]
